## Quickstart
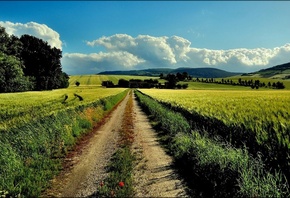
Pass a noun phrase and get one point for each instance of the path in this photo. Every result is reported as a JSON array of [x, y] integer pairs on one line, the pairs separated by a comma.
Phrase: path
[[89, 167], [153, 175]]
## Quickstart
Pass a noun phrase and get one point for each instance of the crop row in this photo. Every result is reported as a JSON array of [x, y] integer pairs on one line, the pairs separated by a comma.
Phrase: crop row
[[30, 154], [213, 168]]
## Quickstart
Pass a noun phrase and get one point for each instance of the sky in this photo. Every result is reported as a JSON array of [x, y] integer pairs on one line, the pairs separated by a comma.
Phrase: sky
[[96, 36]]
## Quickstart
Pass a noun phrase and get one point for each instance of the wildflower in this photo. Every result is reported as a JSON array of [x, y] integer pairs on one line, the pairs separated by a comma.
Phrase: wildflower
[[121, 184], [102, 183]]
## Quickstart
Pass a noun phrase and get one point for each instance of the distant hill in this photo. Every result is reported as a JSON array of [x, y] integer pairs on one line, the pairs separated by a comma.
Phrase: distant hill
[[194, 72], [144, 72], [277, 72], [205, 72]]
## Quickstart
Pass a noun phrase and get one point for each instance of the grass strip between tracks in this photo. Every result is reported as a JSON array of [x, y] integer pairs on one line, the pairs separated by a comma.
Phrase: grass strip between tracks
[[119, 183]]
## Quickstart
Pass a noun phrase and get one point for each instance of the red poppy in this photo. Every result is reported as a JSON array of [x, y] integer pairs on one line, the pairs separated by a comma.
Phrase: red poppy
[[121, 184]]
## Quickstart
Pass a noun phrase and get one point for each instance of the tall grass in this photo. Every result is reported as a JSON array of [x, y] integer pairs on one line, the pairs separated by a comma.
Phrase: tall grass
[[215, 169], [258, 120]]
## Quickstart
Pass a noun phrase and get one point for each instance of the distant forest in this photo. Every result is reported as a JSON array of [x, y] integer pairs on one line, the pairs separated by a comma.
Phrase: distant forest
[[254, 84], [29, 63], [173, 82]]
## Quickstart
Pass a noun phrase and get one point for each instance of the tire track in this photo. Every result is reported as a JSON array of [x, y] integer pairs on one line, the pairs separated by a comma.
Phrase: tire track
[[154, 173]]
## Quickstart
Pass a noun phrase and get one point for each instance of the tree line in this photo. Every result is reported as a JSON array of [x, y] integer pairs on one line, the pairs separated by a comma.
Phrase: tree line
[[147, 83], [29, 63], [254, 84]]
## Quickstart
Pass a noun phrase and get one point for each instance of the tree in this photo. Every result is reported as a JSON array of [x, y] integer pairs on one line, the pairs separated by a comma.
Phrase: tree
[[257, 83], [178, 86], [31, 59], [78, 83], [280, 85], [123, 83], [64, 80], [179, 76], [10, 45], [4, 40], [12, 78], [185, 86], [43, 63], [171, 78], [185, 75]]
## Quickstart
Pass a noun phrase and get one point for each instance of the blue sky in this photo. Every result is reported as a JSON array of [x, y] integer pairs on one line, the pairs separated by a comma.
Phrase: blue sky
[[111, 35]]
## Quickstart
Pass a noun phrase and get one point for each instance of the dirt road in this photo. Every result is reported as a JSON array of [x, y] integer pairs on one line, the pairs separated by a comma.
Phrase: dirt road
[[153, 174]]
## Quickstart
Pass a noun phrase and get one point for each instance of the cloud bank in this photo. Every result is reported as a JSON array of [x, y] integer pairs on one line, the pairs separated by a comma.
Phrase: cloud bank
[[77, 63], [41, 31], [126, 52]]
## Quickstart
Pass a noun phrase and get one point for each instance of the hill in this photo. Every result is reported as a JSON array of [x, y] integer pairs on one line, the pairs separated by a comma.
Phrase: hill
[[194, 72], [144, 72], [205, 72], [277, 72]]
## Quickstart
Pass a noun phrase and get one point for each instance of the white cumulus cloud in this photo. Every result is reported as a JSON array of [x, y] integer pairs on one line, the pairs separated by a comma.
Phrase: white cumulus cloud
[[41, 31], [154, 50], [144, 51], [77, 63]]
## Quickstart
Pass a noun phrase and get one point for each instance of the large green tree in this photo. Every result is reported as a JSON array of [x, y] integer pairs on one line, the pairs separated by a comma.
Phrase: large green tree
[[4, 40], [10, 45], [12, 78], [29, 63], [43, 63]]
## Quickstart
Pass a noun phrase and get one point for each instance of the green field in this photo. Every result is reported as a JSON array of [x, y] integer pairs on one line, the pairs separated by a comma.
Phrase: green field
[[96, 80], [212, 86], [39, 127], [252, 108], [256, 119], [212, 167], [265, 80], [21, 107], [257, 111], [34, 122], [235, 79]]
